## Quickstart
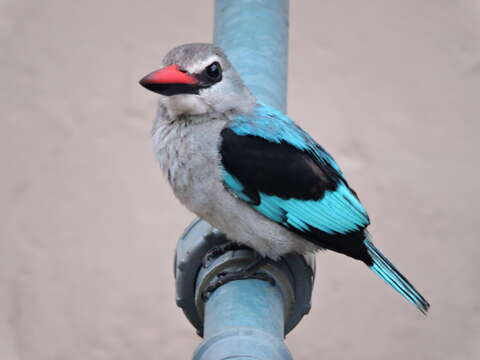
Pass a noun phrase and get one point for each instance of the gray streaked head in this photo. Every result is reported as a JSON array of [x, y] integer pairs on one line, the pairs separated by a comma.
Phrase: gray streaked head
[[196, 56], [197, 79]]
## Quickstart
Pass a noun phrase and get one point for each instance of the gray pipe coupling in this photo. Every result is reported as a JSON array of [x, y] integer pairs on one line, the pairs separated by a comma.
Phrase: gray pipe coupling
[[294, 274]]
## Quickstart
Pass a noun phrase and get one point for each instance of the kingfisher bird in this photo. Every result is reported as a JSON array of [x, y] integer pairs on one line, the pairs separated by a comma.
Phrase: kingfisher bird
[[250, 171]]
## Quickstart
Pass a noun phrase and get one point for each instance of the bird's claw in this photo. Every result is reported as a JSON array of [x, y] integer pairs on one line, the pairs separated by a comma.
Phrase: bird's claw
[[225, 277], [219, 250]]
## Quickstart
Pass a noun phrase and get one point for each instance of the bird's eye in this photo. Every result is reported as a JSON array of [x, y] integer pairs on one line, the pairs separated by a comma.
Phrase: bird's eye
[[214, 71]]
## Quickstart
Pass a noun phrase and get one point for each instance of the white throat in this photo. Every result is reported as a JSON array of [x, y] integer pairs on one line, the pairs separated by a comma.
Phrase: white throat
[[184, 104]]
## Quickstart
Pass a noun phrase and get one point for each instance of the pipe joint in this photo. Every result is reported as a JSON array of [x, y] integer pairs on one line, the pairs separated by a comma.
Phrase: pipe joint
[[293, 275]]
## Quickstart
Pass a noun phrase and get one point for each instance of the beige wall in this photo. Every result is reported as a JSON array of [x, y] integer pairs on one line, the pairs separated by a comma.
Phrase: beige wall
[[88, 225]]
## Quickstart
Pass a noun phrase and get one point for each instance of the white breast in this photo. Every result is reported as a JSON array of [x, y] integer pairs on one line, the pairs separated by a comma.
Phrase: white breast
[[187, 151]]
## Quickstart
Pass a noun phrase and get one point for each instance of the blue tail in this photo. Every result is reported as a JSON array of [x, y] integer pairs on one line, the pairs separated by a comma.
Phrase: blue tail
[[385, 269]]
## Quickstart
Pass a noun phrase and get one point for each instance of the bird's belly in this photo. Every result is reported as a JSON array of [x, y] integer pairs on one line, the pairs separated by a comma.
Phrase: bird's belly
[[240, 222], [197, 191]]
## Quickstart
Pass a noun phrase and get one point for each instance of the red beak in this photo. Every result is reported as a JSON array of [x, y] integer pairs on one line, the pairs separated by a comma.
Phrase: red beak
[[170, 81]]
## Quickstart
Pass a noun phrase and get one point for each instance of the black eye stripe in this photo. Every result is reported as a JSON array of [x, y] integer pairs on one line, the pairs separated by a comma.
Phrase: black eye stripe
[[210, 75]]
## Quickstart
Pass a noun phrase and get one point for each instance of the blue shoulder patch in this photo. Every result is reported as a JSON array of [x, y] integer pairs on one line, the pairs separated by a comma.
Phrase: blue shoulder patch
[[275, 126]]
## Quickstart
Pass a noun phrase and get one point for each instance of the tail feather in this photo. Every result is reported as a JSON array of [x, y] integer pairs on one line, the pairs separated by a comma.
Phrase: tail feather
[[385, 270]]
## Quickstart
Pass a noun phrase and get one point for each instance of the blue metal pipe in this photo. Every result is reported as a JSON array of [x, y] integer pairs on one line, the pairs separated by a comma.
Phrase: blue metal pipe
[[244, 299], [246, 319], [254, 35]]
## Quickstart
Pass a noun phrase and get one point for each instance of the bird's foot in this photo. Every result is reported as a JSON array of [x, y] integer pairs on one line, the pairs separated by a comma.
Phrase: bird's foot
[[250, 272], [219, 250]]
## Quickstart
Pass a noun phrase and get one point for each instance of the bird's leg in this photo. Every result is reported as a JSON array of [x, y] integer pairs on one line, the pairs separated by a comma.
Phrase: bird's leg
[[250, 272], [219, 250]]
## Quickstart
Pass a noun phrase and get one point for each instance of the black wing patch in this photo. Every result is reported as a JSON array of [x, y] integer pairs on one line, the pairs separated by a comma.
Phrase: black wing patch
[[278, 169]]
